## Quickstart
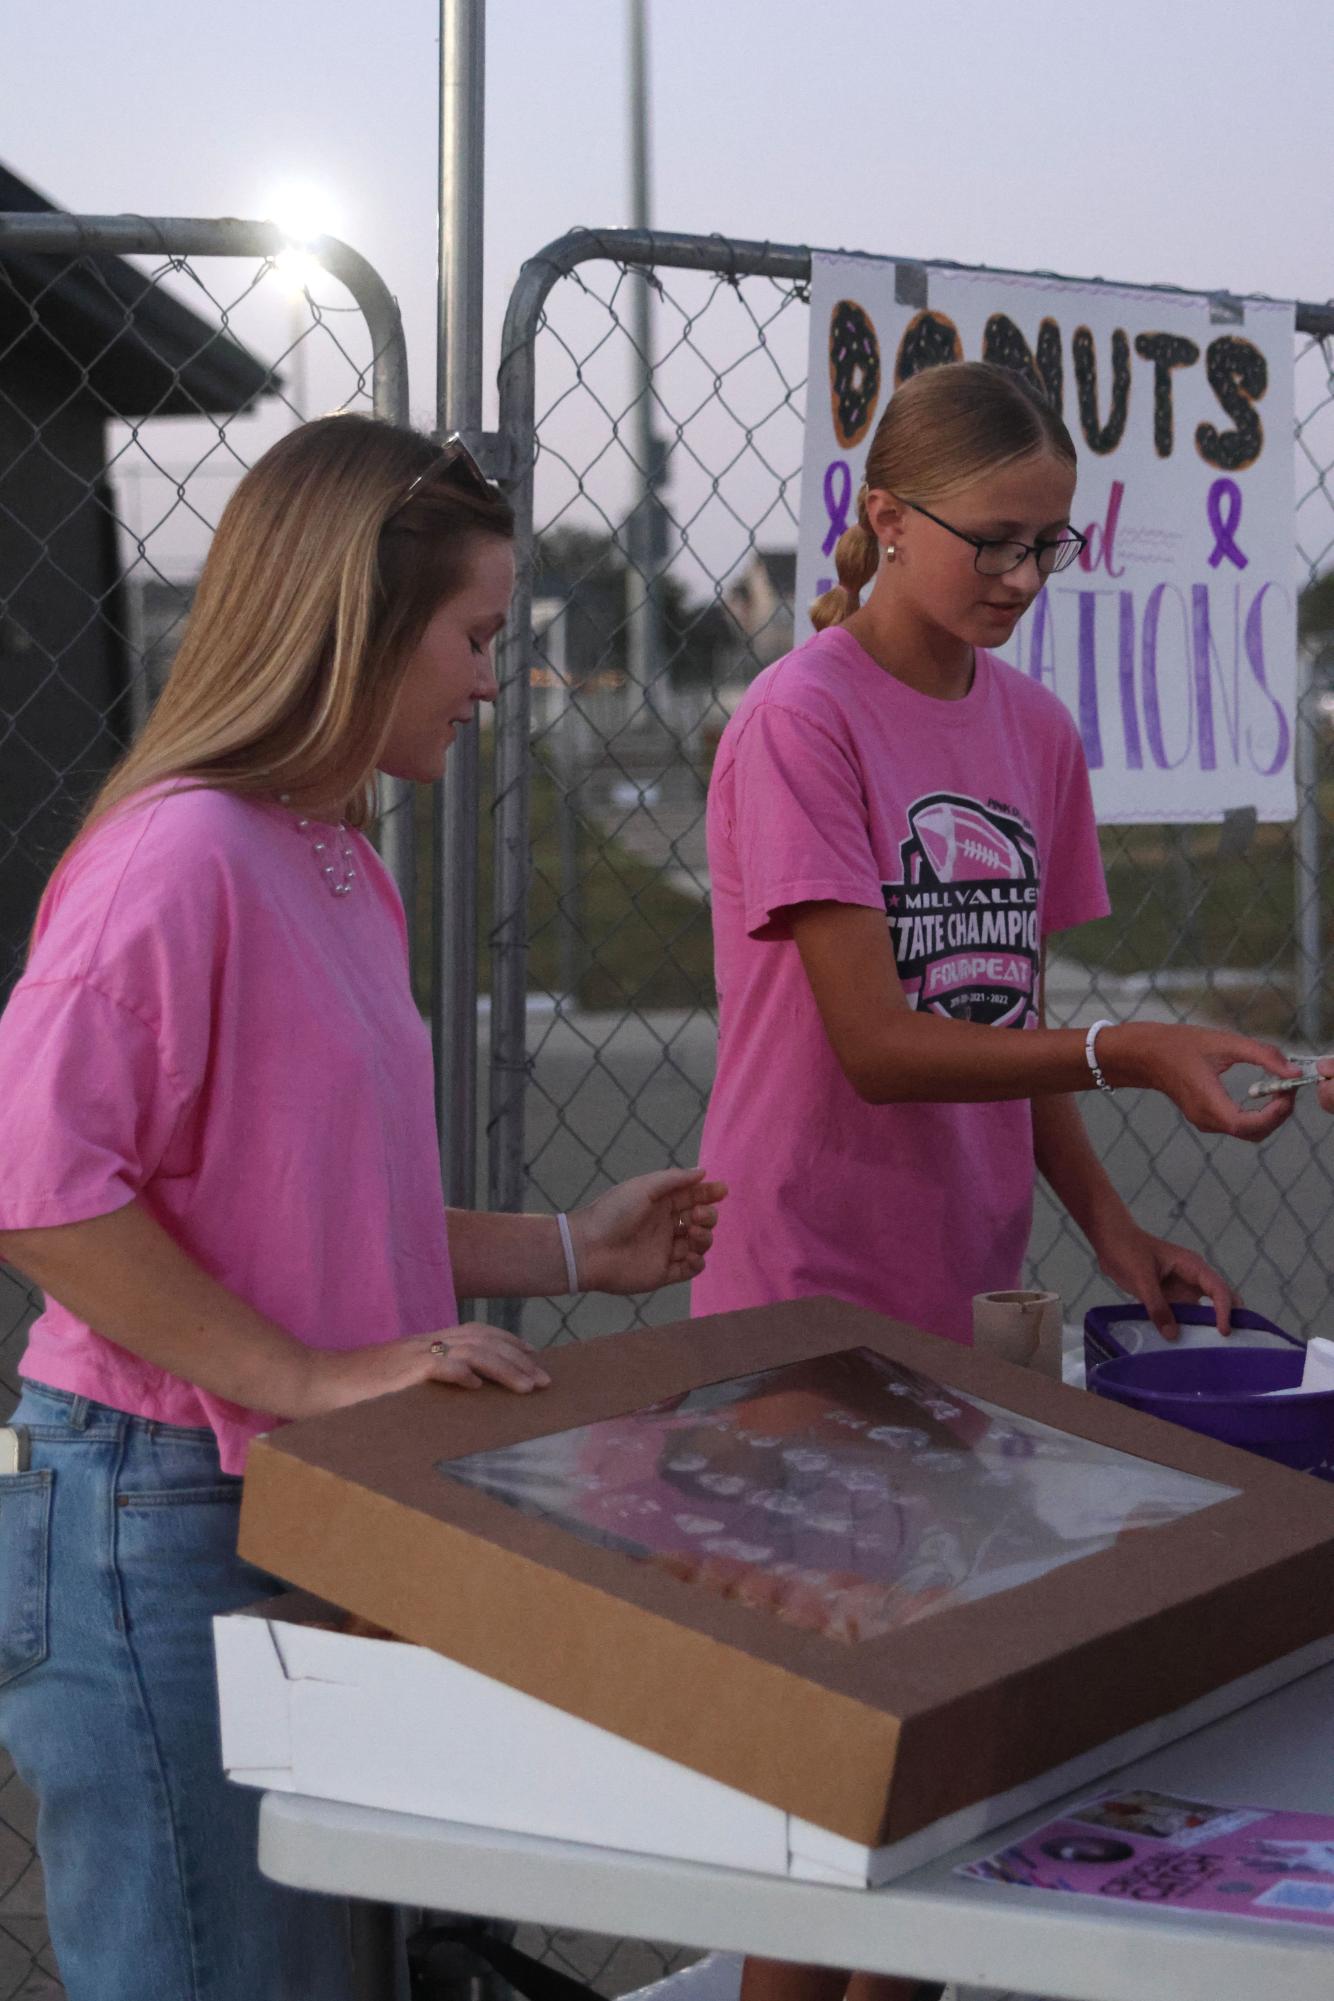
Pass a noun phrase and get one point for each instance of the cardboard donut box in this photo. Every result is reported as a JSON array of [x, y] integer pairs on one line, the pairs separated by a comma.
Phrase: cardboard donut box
[[549, 1679]]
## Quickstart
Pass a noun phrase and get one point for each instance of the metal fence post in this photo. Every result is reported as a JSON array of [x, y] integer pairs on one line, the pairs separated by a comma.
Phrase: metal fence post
[[1308, 969], [459, 408], [643, 637], [508, 1069]]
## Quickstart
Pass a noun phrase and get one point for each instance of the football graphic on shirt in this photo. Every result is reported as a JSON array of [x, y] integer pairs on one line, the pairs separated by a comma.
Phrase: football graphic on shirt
[[959, 843], [964, 915]]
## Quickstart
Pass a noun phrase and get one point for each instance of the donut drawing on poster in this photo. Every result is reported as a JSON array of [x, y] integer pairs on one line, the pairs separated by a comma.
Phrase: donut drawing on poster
[[854, 372], [964, 917]]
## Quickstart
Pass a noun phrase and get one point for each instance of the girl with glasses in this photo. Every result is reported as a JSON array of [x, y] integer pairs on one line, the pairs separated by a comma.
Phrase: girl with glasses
[[218, 1159], [897, 823]]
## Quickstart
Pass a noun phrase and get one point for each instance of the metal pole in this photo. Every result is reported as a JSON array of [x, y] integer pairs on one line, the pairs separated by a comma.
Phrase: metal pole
[[571, 915], [508, 1083], [459, 408], [1306, 864], [642, 649]]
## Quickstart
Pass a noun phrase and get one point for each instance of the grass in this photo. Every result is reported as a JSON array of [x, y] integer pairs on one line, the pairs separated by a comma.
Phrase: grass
[[625, 939]]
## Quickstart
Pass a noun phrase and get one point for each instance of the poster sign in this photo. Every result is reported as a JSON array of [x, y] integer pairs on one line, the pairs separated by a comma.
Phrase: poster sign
[[1150, 1851], [1173, 639]]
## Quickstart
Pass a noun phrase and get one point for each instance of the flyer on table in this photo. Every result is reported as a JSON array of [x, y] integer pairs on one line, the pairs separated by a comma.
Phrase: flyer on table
[[1173, 640], [1152, 1851]]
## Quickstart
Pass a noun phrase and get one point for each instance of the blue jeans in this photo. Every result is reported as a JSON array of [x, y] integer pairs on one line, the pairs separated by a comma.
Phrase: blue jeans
[[116, 1548]]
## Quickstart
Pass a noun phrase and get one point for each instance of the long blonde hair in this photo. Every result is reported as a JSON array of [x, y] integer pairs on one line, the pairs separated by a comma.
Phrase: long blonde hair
[[321, 578], [942, 429]]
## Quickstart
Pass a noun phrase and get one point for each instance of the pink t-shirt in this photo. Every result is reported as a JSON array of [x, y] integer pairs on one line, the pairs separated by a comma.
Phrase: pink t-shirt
[[970, 825], [203, 1024]]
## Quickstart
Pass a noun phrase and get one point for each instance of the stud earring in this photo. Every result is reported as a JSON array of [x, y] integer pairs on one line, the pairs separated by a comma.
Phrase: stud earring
[[889, 552]]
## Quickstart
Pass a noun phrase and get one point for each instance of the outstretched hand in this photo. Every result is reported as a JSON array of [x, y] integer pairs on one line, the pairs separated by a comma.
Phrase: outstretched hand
[[652, 1231], [1188, 1064]]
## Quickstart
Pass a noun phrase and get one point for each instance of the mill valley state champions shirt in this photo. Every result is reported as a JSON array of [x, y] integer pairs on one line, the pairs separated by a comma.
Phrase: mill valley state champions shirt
[[970, 825]]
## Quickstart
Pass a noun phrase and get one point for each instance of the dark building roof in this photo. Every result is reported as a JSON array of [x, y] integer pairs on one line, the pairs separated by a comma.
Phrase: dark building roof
[[102, 325]]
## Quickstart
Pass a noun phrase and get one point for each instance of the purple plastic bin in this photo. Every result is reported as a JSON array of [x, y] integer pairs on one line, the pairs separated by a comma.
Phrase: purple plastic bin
[[1110, 1331], [1223, 1393]]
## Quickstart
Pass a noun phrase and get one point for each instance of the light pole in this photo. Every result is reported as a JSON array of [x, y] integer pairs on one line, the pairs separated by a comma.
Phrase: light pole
[[644, 551], [459, 408]]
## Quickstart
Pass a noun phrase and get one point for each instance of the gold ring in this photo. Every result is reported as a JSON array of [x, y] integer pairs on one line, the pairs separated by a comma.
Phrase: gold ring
[[437, 1348]]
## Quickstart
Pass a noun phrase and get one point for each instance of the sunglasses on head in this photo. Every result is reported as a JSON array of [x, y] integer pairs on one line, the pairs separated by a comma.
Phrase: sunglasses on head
[[455, 463]]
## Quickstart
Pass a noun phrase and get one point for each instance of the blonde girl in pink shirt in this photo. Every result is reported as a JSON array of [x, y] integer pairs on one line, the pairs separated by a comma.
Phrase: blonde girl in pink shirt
[[897, 821], [218, 1159]]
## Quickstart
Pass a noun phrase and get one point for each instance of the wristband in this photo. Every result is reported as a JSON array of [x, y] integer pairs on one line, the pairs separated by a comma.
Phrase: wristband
[[1091, 1054], [567, 1245]]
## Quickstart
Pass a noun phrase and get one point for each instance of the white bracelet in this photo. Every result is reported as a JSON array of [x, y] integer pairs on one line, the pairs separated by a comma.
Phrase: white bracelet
[[1091, 1054], [567, 1245]]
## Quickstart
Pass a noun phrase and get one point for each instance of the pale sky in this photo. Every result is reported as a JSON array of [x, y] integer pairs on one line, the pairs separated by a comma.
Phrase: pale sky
[[1186, 141]]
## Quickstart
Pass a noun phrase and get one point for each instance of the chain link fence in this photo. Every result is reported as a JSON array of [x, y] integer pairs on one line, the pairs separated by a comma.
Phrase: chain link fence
[[146, 364], [660, 495], [143, 366]]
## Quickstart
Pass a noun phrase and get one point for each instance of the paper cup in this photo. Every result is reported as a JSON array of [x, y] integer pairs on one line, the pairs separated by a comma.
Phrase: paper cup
[[1020, 1327]]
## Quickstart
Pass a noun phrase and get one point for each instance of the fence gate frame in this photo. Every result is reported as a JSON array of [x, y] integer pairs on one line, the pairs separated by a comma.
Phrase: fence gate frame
[[178, 239], [513, 462], [512, 456]]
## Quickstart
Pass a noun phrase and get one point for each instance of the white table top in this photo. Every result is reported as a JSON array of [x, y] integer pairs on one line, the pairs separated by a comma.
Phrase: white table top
[[1277, 1753]]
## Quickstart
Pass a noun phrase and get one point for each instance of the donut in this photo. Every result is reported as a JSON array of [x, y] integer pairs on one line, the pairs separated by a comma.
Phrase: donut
[[854, 372]]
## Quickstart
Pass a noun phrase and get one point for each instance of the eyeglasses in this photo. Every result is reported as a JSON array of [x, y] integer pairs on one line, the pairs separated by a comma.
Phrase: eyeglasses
[[457, 464], [997, 559]]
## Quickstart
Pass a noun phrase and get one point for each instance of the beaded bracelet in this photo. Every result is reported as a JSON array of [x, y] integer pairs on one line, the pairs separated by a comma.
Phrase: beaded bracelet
[[1091, 1054]]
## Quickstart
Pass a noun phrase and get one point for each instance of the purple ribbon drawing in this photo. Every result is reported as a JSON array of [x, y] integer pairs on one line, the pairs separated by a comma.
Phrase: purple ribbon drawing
[[1225, 494], [837, 501]]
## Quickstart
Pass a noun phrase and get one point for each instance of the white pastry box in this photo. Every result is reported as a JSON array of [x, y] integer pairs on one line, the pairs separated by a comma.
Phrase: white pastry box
[[384, 1723]]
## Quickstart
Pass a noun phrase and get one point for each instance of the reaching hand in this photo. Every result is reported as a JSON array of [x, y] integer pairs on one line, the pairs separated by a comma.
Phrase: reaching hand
[[1325, 1090], [1158, 1273], [648, 1232], [1186, 1065]]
